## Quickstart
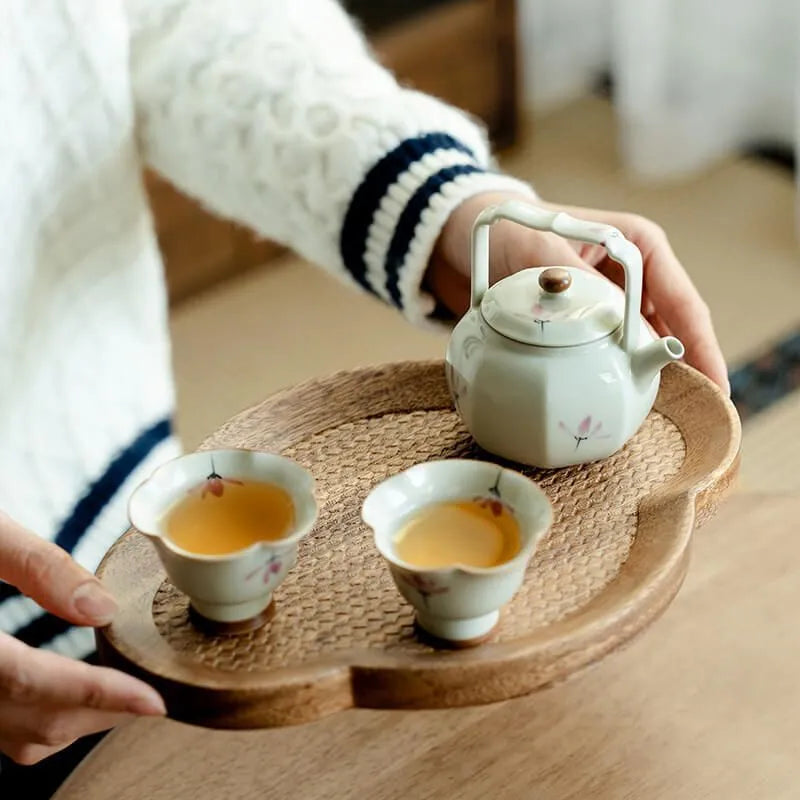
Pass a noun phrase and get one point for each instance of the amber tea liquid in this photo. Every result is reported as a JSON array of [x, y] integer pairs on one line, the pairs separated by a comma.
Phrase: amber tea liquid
[[476, 533], [229, 516]]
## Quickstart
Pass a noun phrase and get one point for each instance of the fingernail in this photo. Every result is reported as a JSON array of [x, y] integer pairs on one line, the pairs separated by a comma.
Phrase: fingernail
[[94, 602], [148, 705]]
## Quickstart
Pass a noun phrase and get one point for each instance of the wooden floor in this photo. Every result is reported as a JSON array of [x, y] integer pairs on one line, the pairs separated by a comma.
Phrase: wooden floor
[[702, 706]]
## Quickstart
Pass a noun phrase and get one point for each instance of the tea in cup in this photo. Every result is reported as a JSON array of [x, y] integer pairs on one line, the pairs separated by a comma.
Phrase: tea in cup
[[476, 533], [226, 525], [457, 536]]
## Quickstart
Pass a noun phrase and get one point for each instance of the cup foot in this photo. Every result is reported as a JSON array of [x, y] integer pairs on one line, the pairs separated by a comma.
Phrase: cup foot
[[217, 628], [457, 632]]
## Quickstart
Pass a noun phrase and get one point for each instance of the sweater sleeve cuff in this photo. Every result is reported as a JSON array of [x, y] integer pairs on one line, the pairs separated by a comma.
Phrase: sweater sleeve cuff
[[397, 213]]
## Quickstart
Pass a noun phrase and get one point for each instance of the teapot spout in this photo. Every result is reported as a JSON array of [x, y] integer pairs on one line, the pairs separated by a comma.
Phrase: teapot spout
[[648, 361]]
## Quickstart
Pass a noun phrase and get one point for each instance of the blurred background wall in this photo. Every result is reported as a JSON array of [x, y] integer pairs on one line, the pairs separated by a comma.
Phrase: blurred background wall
[[681, 110], [692, 80]]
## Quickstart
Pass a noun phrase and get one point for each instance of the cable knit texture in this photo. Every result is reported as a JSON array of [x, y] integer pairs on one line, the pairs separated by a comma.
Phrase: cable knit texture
[[270, 113]]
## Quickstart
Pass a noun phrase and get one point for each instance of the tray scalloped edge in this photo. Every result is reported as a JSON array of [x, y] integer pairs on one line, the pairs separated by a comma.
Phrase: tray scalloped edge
[[369, 679]]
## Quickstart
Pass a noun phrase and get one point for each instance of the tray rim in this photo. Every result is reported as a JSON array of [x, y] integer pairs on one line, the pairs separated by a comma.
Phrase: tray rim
[[375, 679]]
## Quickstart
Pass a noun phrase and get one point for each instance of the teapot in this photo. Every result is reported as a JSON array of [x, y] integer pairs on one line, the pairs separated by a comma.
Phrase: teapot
[[551, 366]]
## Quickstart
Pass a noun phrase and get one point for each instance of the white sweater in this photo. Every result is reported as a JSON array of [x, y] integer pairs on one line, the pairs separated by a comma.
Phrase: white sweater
[[270, 112]]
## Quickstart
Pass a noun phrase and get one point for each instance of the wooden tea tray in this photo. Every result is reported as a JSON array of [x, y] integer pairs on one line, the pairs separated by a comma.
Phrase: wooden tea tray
[[342, 636]]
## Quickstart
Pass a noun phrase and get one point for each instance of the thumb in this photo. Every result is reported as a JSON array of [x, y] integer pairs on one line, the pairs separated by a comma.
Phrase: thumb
[[518, 249], [47, 574], [513, 248]]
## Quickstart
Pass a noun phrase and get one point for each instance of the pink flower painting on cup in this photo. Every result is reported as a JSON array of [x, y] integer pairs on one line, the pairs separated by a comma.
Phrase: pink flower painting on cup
[[424, 585], [214, 484], [267, 571]]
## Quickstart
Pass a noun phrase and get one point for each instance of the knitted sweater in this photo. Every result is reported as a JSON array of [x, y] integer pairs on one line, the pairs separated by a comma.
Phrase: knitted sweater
[[270, 113]]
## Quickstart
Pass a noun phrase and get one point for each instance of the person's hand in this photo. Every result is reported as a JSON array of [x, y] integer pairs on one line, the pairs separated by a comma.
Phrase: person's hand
[[670, 302], [48, 701]]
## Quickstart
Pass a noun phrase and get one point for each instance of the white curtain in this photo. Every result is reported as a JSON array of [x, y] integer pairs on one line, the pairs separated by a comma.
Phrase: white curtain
[[694, 80]]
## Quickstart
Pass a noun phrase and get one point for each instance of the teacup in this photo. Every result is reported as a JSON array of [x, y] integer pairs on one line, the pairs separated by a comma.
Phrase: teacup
[[457, 604], [232, 591]]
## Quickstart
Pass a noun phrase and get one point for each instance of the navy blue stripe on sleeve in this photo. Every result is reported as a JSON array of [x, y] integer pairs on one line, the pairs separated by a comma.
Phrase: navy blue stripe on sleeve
[[101, 491], [42, 630], [109, 483], [7, 590], [367, 198], [406, 225]]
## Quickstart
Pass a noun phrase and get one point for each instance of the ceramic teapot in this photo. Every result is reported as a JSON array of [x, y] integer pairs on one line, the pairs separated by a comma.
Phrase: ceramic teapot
[[552, 366]]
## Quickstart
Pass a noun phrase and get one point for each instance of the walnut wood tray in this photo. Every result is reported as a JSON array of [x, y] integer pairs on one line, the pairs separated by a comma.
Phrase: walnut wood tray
[[342, 636]]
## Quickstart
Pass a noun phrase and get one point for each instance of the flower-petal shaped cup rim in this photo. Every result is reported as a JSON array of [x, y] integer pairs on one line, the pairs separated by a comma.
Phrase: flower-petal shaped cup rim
[[306, 484], [534, 534]]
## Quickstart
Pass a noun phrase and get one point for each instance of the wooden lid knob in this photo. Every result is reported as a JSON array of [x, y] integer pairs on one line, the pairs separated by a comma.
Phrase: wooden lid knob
[[555, 280]]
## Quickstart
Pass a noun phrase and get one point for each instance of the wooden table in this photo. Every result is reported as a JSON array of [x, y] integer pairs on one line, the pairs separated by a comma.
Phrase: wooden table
[[703, 705]]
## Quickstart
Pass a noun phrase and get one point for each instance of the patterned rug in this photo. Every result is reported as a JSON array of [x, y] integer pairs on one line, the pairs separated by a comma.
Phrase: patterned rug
[[768, 378]]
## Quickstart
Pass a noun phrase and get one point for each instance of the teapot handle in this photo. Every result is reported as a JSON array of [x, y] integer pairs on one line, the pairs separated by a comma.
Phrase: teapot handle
[[618, 247]]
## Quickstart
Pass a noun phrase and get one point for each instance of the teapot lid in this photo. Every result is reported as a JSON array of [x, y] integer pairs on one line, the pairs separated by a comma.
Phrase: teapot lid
[[553, 306]]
